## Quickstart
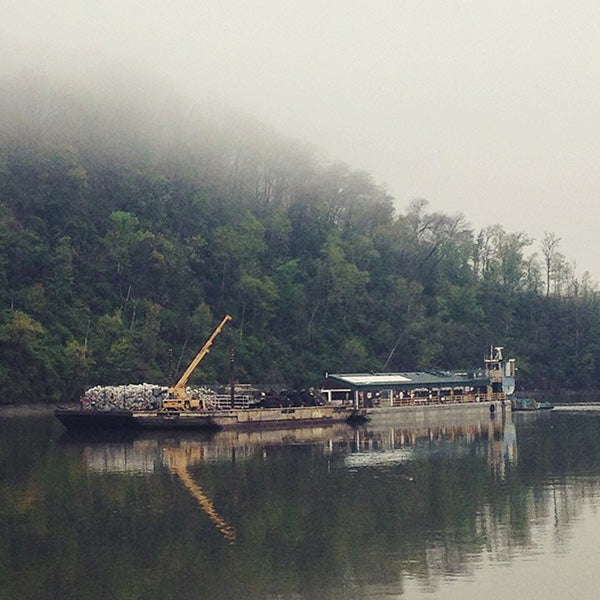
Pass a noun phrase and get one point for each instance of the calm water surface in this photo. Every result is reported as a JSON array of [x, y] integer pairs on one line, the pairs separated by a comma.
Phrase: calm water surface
[[484, 507]]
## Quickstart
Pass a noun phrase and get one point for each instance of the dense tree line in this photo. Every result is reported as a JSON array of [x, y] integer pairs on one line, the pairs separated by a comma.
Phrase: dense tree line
[[122, 238]]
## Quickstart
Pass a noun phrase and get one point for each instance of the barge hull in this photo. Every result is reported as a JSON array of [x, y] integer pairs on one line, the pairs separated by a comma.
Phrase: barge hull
[[96, 420], [424, 411], [257, 418]]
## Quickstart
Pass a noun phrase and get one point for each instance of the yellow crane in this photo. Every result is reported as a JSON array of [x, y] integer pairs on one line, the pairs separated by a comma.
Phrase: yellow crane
[[177, 398]]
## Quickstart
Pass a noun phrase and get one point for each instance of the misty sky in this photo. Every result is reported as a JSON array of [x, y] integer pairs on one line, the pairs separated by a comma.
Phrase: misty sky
[[486, 107]]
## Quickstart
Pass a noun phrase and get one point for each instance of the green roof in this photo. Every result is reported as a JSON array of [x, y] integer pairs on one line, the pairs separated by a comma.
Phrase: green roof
[[409, 380]]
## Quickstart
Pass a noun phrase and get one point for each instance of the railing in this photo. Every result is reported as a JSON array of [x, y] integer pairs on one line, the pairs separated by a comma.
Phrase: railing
[[223, 402], [447, 399]]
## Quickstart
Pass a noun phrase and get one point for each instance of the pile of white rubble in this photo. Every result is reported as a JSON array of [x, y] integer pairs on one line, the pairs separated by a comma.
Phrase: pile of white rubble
[[142, 396]]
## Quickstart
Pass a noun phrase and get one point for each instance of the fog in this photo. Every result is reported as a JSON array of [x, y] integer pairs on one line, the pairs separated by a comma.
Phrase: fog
[[489, 108]]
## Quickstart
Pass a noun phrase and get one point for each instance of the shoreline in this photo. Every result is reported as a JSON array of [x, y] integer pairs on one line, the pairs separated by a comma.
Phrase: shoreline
[[30, 410]]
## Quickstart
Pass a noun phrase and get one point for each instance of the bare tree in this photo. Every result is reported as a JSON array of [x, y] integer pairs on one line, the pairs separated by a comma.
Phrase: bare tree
[[549, 250]]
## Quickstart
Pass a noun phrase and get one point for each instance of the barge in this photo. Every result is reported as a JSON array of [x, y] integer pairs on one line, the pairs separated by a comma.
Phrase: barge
[[344, 398], [236, 418], [180, 407]]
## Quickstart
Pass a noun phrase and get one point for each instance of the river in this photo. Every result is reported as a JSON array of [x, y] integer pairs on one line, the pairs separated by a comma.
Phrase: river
[[490, 507]]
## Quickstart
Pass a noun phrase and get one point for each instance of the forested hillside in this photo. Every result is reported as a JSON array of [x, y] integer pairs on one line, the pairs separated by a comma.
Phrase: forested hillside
[[126, 232]]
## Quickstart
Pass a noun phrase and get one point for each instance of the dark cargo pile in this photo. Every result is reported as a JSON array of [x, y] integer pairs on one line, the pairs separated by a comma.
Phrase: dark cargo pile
[[286, 398]]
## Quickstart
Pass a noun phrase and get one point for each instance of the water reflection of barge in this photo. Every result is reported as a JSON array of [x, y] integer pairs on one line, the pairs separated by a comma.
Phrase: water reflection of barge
[[143, 452], [383, 447]]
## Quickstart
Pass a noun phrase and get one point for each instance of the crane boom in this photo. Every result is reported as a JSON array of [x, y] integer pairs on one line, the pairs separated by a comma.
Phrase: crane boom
[[177, 392]]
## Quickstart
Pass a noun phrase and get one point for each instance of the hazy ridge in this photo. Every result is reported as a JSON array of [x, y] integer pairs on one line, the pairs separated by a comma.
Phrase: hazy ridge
[[128, 227]]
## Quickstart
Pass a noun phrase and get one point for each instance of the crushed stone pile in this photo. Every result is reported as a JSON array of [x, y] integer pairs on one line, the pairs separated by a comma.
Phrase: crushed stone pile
[[142, 396]]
